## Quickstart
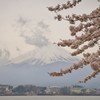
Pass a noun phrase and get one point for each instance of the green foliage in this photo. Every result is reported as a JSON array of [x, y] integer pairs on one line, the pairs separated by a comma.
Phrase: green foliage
[[64, 91], [22, 89]]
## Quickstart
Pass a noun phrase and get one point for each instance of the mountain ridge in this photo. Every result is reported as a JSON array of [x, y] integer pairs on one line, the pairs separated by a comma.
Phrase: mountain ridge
[[45, 55]]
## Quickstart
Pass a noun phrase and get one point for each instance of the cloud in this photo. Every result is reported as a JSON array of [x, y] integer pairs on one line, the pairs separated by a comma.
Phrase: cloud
[[33, 33], [37, 40], [4, 53], [22, 21], [4, 56], [43, 25]]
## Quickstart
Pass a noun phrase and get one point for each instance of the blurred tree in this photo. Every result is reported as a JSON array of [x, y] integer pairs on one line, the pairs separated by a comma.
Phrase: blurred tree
[[89, 30], [65, 91]]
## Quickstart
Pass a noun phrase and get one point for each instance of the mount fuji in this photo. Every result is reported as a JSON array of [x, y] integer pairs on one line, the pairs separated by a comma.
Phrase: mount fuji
[[45, 55], [33, 68]]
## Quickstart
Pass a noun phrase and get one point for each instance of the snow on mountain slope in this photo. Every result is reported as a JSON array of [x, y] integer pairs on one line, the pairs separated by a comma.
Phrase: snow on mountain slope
[[45, 55], [50, 54]]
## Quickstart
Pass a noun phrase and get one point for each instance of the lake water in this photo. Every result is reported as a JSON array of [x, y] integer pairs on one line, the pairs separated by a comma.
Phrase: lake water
[[49, 97]]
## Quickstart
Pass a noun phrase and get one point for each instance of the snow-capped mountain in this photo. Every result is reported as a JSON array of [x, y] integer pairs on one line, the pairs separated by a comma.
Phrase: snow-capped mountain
[[33, 68], [50, 54], [45, 55]]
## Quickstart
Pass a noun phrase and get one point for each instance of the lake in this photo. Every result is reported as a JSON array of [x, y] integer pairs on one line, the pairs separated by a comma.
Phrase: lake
[[49, 97]]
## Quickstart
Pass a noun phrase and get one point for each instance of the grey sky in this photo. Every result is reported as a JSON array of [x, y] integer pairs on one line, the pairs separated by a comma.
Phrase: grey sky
[[35, 11]]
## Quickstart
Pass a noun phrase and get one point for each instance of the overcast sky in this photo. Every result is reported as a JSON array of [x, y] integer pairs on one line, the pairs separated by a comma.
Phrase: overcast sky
[[27, 24]]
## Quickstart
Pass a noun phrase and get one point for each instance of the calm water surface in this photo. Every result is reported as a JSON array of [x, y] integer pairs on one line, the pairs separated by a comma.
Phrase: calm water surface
[[49, 97]]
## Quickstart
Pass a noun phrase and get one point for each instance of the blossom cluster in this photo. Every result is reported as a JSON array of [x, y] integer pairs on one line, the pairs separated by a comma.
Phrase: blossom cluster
[[64, 6], [86, 35], [92, 59]]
